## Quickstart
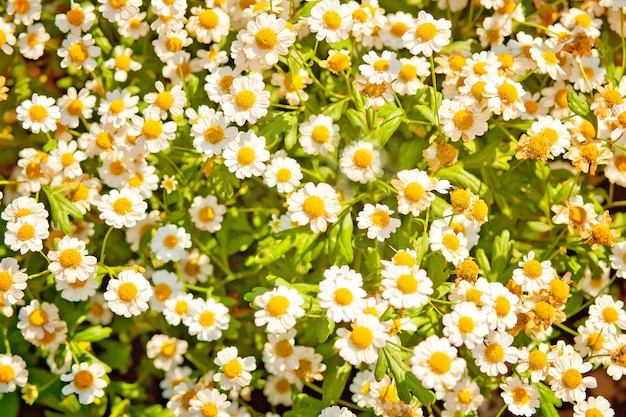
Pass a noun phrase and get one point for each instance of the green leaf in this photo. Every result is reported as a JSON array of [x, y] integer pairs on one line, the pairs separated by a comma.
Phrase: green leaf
[[291, 135], [192, 85], [357, 120], [304, 406], [427, 112], [256, 291], [340, 239], [381, 366], [577, 102], [406, 382], [304, 11], [93, 334], [116, 354], [389, 125], [334, 384], [61, 208], [9, 404], [548, 403], [438, 271]]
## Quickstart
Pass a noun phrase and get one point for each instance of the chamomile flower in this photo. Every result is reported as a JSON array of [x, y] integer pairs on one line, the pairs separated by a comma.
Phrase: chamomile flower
[[452, 245], [330, 21], [360, 162], [77, 290], [122, 63], [169, 243], [7, 30], [76, 104], [532, 275], [99, 312], [522, 399], [590, 341], [117, 107], [134, 27], [411, 70], [615, 361], [24, 11], [86, 381], [208, 25], [247, 101], [218, 83], [615, 170], [378, 221], [382, 68], [39, 114], [195, 267], [465, 325], [465, 396], [13, 372], [319, 135], [436, 363], [279, 352], [283, 173], [618, 259], [209, 402], [278, 389], [32, 42], [501, 307], [336, 411], [207, 214], [235, 371], [123, 208], [415, 190], [504, 97], [166, 286], [427, 35], [128, 295], [266, 38], [592, 75], [79, 51], [151, 132], [495, 353], [78, 19], [593, 406], [71, 261], [167, 352], [177, 308], [567, 380], [246, 155], [206, 319], [172, 101], [361, 344], [174, 377], [212, 133], [462, 120], [608, 315], [316, 205], [118, 11], [279, 309], [406, 287], [342, 298], [26, 234], [66, 159], [12, 281], [337, 61]]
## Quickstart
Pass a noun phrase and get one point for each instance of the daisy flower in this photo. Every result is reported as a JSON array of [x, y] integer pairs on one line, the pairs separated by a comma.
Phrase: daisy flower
[[13, 372], [406, 287], [427, 35], [117, 107], [99, 312], [279, 309], [128, 295], [536, 360], [119, 10], [618, 259], [337, 61], [378, 221], [8, 30], [167, 352], [206, 319], [37, 318], [590, 342], [169, 243], [71, 262], [330, 21], [219, 82], [76, 104], [246, 155], [533, 276], [465, 325], [39, 114], [593, 406], [615, 170], [360, 162], [567, 380], [313, 204], [174, 377], [380, 69], [409, 74], [342, 298], [172, 101], [166, 286], [80, 51], [66, 159], [208, 25], [436, 364], [504, 97], [151, 132], [12, 281], [134, 27], [495, 353], [195, 267], [460, 120], [311, 366], [207, 214], [607, 315], [211, 133], [283, 173], [122, 208], [26, 234], [361, 344], [615, 361], [375, 95], [122, 63], [415, 190], [592, 75], [522, 399], [465, 396], [247, 101], [77, 290], [266, 38], [32, 43], [177, 308], [501, 307], [319, 135], [24, 11], [278, 389], [235, 371], [86, 381], [452, 245], [336, 411], [78, 19], [209, 402], [291, 85], [278, 353]]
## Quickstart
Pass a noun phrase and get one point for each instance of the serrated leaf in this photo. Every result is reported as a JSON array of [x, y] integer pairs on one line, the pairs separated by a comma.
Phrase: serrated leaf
[[304, 406], [334, 384], [61, 208], [93, 334]]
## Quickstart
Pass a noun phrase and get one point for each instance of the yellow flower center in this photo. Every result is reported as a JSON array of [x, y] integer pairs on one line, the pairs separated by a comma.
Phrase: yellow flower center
[[363, 158], [170, 241], [595, 341], [174, 45], [182, 307], [214, 135], [168, 349], [70, 258], [610, 315], [278, 305], [374, 90], [320, 134], [577, 215], [508, 93], [245, 156], [537, 360], [494, 353], [538, 146], [466, 324], [560, 98], [531, 107], [332, 20], [589, 73], [407, 73], [620, 162], [426, 32], [117, 106], [283, 386], [380, 218], [67, 159], [283, 175], [451, 242], [33, 170], [122, 206], [313, 206], [414, 192], [583, 20], [464, 396], [192, 268], [37, 113], [122, 62], [439, 363], [407, 284], [162, 291], [266, 39], [233, 369], [463, 119], [502, 306], [403, 258], [245, 99], [127, 292], [21, 6], [7, 373], [208, 19], [75, 16], [520, 395], [362, 337], [26, 232], [544, 311], [559, 290], [549, 57], [78, 53], [589, 152], [152, 129], [6, 281], [209, 410], [38, 317], [398, 29], [338, 62], [473, 295], [343, 296], [572, 378], [460, 200], [468, 270], [478, 89], [83, 380], [117, 4], [381, 65], [225, 83], [593, 412], [283, 348], [136, 180], [360, 15], [206, 214], [164, 100], [532, 269], [206, 319], [75, 107]]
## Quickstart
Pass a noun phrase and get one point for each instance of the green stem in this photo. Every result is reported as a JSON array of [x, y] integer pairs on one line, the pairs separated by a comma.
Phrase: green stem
[[566, 329], [501, 410], [104, 245]]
